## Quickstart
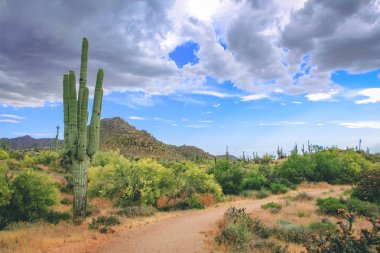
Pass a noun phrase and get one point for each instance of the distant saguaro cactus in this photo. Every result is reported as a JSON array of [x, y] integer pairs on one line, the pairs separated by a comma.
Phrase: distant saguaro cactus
[[81, 143], [56, 140]]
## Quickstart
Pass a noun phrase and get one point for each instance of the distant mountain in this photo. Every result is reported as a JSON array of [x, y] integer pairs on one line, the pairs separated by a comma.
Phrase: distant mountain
[[230, 157], [116, 133], [28, 142]]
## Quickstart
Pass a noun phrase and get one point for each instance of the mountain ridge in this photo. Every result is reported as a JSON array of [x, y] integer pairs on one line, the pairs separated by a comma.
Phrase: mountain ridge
[[118, 134]]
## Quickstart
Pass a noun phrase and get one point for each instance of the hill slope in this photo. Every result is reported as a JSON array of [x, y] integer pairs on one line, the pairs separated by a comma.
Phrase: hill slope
[[28, 142], [116, 133]]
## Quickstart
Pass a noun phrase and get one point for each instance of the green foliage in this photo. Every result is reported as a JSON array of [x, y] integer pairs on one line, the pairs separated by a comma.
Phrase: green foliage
[[239, 230], [28, 198], [289, 232], [271, 205], [331, 205], [262, 194], [196, 180], [144, 181], [137, 211], [322, 227], [368, 188], [4, 155], [6, 189], [363, 208], [188, 203], [254, 180], [103, 223], [343, 240], [297, 169], [277, 188], [228, 175]]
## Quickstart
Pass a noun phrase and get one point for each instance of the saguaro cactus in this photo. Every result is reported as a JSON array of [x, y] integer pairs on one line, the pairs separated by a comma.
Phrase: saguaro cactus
[[81, 143], [56, 140]]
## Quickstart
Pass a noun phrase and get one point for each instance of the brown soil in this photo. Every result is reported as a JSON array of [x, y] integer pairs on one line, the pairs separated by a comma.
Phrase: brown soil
[[180, 232]]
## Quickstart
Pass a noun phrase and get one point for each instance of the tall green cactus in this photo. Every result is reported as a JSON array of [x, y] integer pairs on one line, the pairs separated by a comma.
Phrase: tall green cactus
[[81, 143], [56, 140]]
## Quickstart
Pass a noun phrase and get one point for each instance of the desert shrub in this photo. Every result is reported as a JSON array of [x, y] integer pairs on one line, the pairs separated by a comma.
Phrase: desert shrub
[[47, 158], [328, 166], [103, 223], [3, 154], [302, 196], [188, 203], [238, 230], [368, 187], [131, 183], [353, 165], [331, 205], [32, 195], [69, 185], [277, 188], [271, 205], [66, 201], [344, 240], [56, 217], [228, 175], [262, 194], [363, 208], [137, 211], [196, 180], [254, 180], [322, 227], [289, 232], [297, 169]]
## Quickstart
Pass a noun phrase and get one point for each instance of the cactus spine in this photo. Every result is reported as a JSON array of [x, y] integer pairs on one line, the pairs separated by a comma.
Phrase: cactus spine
[[81, 146]]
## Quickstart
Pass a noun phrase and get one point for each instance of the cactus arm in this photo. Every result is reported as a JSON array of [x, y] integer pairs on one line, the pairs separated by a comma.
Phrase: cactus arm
[[73, 114], [93, 141], [66, 118], [83, 74], [82, 126]]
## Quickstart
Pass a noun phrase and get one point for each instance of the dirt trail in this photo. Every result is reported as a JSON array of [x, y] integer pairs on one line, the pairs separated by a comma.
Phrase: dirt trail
[[186, 232]]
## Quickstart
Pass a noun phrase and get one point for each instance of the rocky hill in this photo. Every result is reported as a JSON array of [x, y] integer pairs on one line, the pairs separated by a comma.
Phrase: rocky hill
[[116, 133]]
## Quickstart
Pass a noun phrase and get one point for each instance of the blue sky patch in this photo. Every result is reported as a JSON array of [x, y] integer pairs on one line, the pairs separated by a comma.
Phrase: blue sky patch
[[185, 54]]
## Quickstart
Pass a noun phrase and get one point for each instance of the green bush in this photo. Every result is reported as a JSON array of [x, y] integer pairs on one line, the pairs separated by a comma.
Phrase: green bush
[[277, 188], [271, 205], [368, 188], [297, 169], [262, 194], [229, 176], [331, 205], [322, 227], [363, 208], [32, 195], [137, 211], [289, 232], [3, 154], [239, 230], [255, 180]]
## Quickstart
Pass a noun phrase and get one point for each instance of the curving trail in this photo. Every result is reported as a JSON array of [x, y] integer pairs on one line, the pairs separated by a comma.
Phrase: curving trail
[[184, 233]]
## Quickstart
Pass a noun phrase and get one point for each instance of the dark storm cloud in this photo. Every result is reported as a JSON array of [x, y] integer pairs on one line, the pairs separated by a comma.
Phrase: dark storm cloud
[[41, 40]]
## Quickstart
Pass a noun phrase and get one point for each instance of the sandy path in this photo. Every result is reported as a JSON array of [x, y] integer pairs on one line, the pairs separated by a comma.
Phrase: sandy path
[[184, 233]]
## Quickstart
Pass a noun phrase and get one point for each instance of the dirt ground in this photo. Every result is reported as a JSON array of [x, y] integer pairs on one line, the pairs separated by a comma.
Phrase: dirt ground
[[183, 232]]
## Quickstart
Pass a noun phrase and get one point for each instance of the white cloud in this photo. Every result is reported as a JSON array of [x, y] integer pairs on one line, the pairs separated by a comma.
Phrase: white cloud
[[321, 96], [205, 121], [9, 120], [373, 95], [253, 97], [296, 102], [11, 116], [362, 124], [216, 105], [136, 118], [213, 93]]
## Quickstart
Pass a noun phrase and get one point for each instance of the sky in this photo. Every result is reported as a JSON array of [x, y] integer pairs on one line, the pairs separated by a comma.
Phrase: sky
[[248, 74]]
